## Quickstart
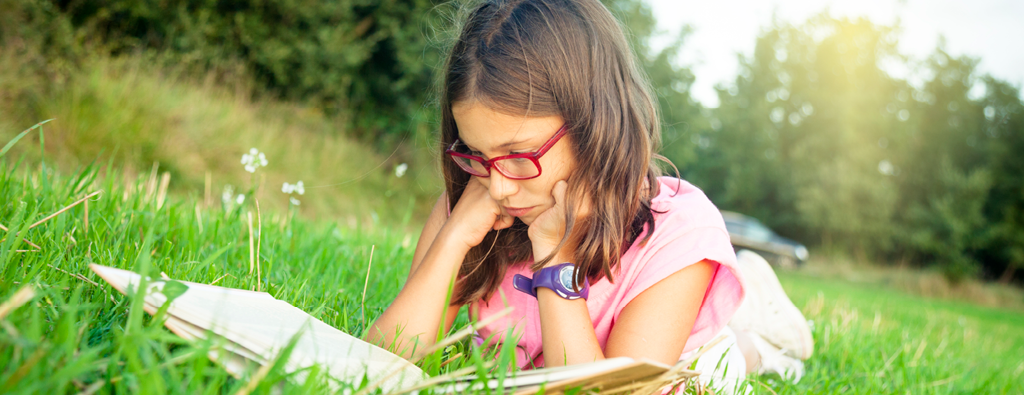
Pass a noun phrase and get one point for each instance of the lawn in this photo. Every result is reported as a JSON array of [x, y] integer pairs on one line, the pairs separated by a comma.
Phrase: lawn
[[871, 340], [79, 335]]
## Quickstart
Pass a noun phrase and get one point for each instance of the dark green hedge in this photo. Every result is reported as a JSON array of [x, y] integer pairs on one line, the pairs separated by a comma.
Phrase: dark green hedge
[[368, 61]]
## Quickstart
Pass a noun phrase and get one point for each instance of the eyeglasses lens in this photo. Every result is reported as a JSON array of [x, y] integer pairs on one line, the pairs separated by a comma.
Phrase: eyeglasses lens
[[471, 166], [510, 167], [518, 167]]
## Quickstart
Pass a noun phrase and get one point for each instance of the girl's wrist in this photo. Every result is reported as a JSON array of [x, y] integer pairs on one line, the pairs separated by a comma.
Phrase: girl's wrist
[[450, 241], [542, 250]]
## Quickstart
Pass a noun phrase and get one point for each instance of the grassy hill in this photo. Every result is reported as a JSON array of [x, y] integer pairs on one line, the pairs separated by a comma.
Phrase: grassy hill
[[138, 118]]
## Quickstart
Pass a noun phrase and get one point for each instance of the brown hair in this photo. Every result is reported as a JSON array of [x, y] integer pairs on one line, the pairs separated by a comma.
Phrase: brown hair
[[567, 58]]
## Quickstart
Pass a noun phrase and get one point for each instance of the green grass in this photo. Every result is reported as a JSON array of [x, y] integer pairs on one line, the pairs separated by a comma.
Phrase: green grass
[[871, 339], [76, 335]]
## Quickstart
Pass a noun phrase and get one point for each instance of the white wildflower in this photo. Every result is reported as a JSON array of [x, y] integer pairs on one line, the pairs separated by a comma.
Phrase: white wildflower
[[293, 188], [229, 192], [254, 160], [240, 199], [401, 169]]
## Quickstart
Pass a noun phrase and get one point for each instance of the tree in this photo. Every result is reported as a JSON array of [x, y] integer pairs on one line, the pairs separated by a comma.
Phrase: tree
[[682, 118], [1004, 208], [806, 129]]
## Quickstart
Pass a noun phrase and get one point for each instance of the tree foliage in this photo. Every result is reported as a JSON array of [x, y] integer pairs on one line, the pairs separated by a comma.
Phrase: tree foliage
[[365, 61], [819, 141]]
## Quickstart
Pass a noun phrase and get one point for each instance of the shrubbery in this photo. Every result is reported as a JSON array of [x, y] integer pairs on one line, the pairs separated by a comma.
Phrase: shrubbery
[[366, 61]]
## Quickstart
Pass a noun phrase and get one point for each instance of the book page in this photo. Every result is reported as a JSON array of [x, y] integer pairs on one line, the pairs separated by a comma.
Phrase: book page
[[610, 372], [635, 371], [233, 357], [265, 325]]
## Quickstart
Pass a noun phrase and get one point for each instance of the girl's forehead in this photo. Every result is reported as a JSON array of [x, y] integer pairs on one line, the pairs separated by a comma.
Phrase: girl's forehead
[[485, 128]]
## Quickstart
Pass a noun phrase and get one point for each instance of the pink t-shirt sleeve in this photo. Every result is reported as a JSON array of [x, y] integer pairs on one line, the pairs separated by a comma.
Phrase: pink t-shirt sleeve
[[682, 238]]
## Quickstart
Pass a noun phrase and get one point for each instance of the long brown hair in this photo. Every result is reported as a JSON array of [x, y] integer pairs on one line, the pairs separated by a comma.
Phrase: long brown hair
[[568, 58]]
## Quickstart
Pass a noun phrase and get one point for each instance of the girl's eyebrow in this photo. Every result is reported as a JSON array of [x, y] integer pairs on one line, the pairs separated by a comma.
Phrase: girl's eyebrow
[[511, 143], [503, 145]]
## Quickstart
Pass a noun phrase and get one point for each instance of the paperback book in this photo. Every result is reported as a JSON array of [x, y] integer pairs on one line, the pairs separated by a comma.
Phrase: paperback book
[[252, 328]]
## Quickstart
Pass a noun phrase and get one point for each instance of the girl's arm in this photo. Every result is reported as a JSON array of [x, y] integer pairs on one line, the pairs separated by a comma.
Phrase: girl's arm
[[658, 321], [415, 317], [654, 325]]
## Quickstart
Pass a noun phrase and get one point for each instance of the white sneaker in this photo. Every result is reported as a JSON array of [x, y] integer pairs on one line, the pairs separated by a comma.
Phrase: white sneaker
[[767, 311], [775, 361]]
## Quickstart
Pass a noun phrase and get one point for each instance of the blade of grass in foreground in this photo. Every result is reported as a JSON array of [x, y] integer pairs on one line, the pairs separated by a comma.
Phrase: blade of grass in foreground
[[13, 141]]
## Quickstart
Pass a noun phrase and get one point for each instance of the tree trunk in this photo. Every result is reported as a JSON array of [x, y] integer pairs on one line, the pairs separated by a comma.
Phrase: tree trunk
[[1008, 273]]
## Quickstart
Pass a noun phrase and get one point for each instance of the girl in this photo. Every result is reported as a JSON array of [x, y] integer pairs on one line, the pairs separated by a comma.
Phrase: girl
[[553, 206]]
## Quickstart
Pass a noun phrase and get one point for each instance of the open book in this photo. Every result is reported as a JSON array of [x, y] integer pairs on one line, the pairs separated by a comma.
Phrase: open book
[[251, 328]]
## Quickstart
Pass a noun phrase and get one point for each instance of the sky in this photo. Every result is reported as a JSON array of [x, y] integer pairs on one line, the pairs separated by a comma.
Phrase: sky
[[992, 30]]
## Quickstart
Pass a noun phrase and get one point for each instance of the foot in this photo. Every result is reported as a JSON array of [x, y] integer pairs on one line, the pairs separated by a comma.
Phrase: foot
[[775, 361], [767, 311]]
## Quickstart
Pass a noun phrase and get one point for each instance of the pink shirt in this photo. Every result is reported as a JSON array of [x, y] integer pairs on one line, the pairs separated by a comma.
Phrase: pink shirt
[[690, 230]]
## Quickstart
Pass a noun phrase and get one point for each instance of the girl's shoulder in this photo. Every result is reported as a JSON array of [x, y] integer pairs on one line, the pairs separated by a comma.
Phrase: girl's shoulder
[[688, 228], [682, 206]]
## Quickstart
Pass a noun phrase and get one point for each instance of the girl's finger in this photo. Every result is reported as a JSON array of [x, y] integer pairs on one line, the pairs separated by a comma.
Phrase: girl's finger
[[504, 221], [558, 192]]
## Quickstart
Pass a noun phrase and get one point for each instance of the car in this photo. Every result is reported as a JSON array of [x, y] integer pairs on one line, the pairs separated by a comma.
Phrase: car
[[747, 232]]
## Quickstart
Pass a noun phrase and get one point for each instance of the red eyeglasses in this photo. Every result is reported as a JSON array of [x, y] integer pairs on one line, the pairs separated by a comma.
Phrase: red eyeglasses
[[522, 166]]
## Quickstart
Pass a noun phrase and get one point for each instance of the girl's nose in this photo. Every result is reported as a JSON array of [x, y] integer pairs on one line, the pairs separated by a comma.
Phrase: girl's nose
[[501, 187]]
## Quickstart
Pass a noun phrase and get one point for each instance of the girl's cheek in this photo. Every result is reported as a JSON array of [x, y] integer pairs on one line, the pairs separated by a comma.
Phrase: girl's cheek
[[483, 181]]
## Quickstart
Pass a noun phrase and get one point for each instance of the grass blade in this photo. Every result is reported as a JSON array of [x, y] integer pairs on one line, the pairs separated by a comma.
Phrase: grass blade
[[20, 135]]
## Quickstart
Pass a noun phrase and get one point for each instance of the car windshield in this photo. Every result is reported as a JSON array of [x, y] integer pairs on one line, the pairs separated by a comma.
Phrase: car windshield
[[734, 227], [755, 230]]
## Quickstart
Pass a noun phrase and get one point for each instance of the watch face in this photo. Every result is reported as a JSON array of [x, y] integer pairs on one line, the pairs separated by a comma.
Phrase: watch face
[[565, 277]]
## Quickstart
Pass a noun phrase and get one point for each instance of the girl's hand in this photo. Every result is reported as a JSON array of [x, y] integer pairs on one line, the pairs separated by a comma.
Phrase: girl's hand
[[475, 214], [548, 229]]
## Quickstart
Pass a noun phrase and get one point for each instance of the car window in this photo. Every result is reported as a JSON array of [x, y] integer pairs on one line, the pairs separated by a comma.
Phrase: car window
[[734, 227], [757, 231]]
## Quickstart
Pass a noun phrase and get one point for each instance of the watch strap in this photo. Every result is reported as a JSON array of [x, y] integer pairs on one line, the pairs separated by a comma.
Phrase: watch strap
[[523, 284], [550, 277]]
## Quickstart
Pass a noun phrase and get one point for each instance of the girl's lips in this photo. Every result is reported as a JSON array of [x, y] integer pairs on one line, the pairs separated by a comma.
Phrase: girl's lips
[[518, 212]]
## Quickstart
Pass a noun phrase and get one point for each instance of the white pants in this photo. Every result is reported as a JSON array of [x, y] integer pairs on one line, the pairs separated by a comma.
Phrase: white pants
[[723, 367]]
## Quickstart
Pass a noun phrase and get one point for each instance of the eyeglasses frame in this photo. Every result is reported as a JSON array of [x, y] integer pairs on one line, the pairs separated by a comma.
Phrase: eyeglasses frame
[[532, 156]]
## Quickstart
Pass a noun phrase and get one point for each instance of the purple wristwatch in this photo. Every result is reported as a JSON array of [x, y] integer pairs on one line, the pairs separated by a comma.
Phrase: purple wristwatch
[[557, 278]]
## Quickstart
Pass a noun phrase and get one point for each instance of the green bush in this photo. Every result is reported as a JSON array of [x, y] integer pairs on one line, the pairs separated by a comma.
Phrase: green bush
[[366, 61]]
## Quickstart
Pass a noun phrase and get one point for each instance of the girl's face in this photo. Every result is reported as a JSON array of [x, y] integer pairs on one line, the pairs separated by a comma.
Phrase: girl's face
[[488, 134]]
